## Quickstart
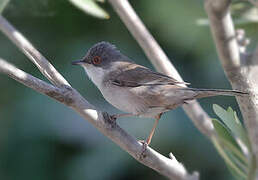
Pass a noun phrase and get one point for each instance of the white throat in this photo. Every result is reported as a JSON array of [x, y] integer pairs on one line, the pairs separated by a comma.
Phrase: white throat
[[96, 74]]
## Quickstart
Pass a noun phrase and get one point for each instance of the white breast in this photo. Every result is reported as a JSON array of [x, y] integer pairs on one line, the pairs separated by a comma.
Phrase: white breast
[[96, 74]]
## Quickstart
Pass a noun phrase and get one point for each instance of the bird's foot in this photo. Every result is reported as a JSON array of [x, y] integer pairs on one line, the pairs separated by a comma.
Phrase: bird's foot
[[108, 118], [144, 149], [114, 117]]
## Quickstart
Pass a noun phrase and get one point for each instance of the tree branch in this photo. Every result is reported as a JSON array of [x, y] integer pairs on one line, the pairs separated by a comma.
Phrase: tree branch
[[160, 61], [27, 79], [32, 53], [241, 72], [65, 94]]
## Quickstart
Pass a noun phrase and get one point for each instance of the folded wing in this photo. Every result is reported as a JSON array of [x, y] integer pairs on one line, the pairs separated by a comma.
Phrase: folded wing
[[135, 75]]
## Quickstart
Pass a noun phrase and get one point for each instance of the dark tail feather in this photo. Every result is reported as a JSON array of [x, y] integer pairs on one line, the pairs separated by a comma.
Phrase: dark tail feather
[[216, 92]]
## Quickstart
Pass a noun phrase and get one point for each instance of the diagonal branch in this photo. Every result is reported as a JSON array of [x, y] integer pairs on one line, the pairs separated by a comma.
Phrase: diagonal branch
[[241, 72], [32, 53], [28, 80], [160, 61]]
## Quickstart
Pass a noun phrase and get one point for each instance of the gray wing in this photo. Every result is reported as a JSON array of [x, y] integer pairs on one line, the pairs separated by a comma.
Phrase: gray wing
[[135, 75], [144, 87]]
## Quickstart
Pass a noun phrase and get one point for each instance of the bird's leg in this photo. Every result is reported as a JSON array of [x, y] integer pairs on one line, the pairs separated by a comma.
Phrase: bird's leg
[[116, 116], [148, 141], [157, 118]]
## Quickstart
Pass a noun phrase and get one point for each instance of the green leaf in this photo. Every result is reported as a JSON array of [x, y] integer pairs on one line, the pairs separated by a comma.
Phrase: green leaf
[[236, 171], [90, 7], [244, 12], [223, 132], [228, 141], [3, 4], [230, 119], [230, 131], [237, 161], [235, 151]]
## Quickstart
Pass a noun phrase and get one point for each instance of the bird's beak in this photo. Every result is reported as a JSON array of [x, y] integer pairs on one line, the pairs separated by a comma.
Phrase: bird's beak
[[78, 62]]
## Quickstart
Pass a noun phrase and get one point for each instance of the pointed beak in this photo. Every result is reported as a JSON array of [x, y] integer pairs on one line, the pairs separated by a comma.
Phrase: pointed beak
[[78, 62]]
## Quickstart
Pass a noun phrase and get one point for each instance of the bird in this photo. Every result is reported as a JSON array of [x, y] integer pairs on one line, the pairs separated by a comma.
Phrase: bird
[[138, 90]]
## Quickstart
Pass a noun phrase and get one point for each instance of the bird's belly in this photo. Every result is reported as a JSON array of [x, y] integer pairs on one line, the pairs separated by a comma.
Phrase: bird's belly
[[153, 112], [124, 100]]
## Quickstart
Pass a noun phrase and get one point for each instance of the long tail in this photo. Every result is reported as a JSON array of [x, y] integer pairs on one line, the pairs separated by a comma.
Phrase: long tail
[[201, 93]]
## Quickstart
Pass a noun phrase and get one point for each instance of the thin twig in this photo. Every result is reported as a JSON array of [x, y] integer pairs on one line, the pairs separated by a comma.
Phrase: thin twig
[[32, 53], [27, 79], [160, 61], [241, 72]]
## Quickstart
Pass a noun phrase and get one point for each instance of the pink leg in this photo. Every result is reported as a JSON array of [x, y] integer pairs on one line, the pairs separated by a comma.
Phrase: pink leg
[[148, 140], [153, 129]]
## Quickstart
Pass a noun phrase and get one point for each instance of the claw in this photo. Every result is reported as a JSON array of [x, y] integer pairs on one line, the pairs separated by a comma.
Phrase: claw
[[144, 149], [113, 117]]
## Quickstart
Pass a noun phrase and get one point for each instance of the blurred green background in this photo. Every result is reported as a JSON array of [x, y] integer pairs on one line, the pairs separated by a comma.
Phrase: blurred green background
[[42, 139]]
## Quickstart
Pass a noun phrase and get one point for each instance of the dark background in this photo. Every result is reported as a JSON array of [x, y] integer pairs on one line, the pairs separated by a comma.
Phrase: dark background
[[42, 139]]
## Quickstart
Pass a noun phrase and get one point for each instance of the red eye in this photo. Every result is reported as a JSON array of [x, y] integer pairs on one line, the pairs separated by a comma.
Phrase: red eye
[[96, 60]]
